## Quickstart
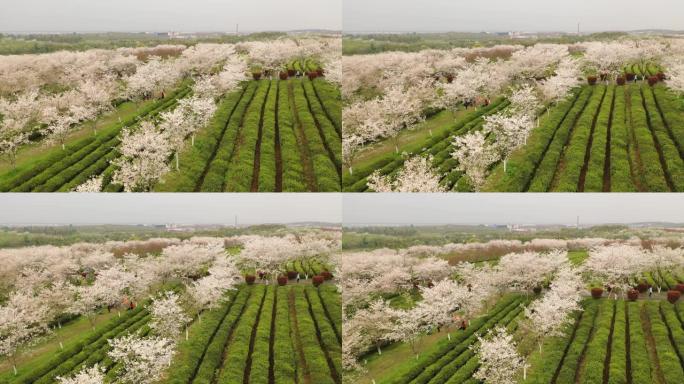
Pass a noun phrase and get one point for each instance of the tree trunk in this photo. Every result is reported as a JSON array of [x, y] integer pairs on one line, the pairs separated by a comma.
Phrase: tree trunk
[[193, 139], [177, 161], [505, 162], [351, 171], [63, 147], [378, 348]]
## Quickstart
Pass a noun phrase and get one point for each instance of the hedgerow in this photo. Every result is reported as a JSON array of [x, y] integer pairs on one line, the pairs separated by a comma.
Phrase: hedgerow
[[267, 157], [652, 174], [238, 177], [238, 349], [570, 165], [259, 370], [315, 358], [190, 352], [593, 181], [283, 351], [327, 176], [641, 368], [293, 171]]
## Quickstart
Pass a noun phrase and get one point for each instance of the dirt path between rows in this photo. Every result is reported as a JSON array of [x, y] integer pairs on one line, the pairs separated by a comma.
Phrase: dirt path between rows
[[211, 339], [628, 348], [638, 179], [303, 143], [229, 339], [207, 166], [239, 138], [560, 166], [667, 125], [582, 361], [325, 110], [257, 150], [248, 363], [336, 376], [326, 145], [677, 348], [546, 148], [590, 142], [278, 150], [554, 379], [298, 340], [606, 163], [656, 142], [329, 317], [271, 339], [650, 345], [609, 348]]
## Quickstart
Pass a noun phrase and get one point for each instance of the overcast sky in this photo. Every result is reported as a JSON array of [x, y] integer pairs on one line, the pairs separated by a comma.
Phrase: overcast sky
[[168, 15], [179, 208], [505, 15], [509, 208]]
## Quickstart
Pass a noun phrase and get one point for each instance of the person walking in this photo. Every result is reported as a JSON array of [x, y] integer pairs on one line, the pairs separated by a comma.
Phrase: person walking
[[297, 278], [650, 292]]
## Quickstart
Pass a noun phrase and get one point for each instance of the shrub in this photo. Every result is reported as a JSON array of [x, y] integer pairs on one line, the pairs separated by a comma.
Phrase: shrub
[[652, 80], [630, 76], [327, 275], [632, 294], [673, 296], [318, 280], [660, 76], [642, 287], [537, 290], [256, 75], [249, 279], [282, 280], [596, 292], [311, 75], [591, 80], [620, 80], [291, 275], [319, 72], [679, 287], [283, 75]]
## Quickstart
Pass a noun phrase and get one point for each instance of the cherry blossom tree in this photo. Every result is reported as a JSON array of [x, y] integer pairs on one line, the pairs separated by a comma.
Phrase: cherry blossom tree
[[87, 375], [510, 132], [499, 359], [144, 154], [549, 315], [474, 156], [94, 184], [210, 290], [168, 317], [372, 327], [22, 318], [616, 265], [417, 175], [15, 118], [142, 360]]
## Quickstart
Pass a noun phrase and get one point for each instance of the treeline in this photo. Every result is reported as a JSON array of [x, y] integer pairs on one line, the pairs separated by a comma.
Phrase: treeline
[[46, 43], [359, 44], [13, 237], [404, 237]]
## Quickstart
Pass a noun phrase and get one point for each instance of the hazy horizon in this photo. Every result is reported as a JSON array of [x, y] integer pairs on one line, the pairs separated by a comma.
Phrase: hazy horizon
[[59, 16], [507, 208], [161, 208], [502, 15]]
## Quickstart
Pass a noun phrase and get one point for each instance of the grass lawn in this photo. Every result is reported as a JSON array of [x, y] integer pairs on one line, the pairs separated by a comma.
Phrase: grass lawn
[[577, 257], [397, 354], [409, 140], [35, 151], [48, 347]]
